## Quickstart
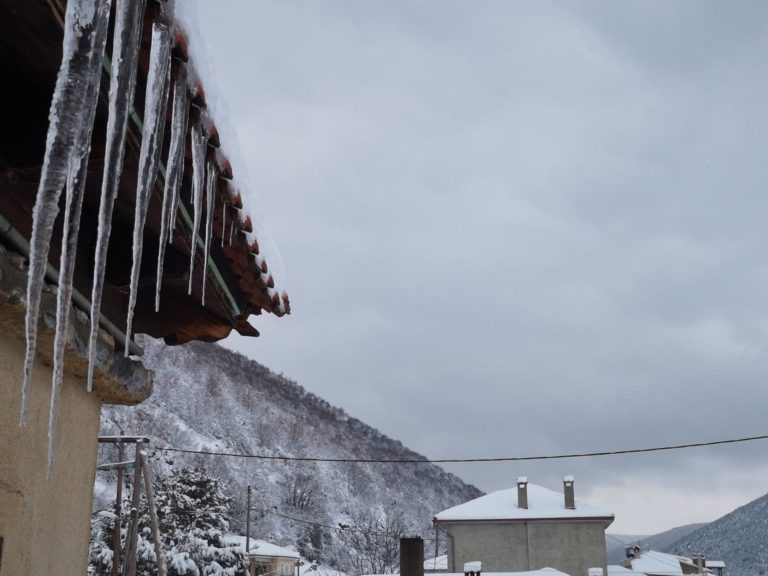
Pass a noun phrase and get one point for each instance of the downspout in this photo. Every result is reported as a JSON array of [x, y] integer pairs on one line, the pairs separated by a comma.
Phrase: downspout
[[21, 245], [452, 563]]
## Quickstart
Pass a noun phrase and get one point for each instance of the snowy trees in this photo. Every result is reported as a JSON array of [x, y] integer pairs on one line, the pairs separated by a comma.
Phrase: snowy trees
[[373, 542], [194, 517]]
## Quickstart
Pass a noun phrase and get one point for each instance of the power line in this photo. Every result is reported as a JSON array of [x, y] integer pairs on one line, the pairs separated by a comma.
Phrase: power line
[[340, 527], [467, 460]]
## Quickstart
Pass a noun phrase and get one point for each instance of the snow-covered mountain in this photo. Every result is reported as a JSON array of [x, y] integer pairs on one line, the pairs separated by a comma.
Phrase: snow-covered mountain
[[209, 398], [739, 538]]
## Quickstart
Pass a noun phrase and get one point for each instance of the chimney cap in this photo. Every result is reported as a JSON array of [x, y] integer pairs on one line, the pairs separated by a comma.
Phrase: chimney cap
[[568, 478], [522, 479]]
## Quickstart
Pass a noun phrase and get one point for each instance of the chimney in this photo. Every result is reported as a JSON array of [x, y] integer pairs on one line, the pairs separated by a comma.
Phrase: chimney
[[700, 562], [522, 492], [473, 568], [570, 500], [411, 557]]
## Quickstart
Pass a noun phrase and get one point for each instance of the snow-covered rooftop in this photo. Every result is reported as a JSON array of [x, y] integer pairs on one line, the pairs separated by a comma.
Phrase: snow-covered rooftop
[[251, 216], [502, 505], [615, 570], [539, 572], [438, 563], [653, 562], [260, 547]]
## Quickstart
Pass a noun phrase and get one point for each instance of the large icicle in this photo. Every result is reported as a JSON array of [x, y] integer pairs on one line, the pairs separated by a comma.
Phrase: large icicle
[[155, 105], [68, 112], [183, 121], [199, 142], [174, 171], [213, 177], [78, 171], [129, 17]]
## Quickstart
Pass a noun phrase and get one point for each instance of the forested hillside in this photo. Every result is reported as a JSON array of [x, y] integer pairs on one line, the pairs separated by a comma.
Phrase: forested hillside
[[738, 538], [209, 398]]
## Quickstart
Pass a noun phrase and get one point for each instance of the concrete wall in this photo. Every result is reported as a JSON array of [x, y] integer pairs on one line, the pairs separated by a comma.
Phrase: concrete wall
[[570, 546], [44, 524]]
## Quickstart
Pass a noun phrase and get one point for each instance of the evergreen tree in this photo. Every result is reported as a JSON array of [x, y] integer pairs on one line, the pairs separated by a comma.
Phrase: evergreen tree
[[193, 514]]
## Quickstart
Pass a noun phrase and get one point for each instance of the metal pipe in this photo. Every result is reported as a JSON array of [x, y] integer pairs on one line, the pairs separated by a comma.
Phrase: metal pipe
[[21, 244]]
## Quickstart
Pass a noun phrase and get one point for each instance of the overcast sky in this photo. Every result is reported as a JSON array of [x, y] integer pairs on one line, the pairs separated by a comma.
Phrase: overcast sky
[[517, 228]]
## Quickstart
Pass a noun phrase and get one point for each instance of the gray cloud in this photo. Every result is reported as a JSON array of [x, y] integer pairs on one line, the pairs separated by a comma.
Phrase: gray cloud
[[516, 228]]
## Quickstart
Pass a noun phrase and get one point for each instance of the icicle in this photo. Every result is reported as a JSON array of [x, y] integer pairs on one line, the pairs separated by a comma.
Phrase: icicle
[[129, 17], [67, 118], [223, 222], [173, 173], [155, 105], [213, 177], [231, 231], [183, 108], [198, 181], [78, 171]]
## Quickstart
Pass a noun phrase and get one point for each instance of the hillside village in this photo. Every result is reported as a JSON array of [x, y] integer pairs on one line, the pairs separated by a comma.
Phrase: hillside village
[[131, 242]]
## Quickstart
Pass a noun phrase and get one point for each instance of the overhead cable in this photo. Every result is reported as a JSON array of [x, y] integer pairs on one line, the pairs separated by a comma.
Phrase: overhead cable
[[465, 460]]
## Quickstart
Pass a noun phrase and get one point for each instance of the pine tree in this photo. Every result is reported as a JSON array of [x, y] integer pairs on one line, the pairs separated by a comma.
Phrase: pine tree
[[193, 514]]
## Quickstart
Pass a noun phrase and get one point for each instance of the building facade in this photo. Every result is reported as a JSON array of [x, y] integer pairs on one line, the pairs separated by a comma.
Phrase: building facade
[[526, 528]]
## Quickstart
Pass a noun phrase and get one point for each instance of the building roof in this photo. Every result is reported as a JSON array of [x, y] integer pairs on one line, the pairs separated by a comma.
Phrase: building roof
[[437, 563], [502, 505], [539, 572], [242, 274], [653, 562], [261, 548], [615, 570], [715, 564]]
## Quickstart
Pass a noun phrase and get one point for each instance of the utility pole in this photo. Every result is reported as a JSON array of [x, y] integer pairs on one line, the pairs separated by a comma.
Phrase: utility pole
[[248, 529], [118, 515]]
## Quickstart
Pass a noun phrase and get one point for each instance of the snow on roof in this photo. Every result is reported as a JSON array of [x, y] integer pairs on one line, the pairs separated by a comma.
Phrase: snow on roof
[[474, 566], [615, 570], [438, 563], [539, 572], [260, 547], [653, 562], [715, 564], [267, 256], [502, 505]]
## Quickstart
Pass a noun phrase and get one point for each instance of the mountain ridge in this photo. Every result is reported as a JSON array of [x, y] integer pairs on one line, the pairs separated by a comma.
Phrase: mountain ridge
[[212, 399]]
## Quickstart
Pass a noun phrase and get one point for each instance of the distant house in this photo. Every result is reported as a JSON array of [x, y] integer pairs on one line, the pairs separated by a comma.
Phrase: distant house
[[655, 563], [527, 528], [267, 558], [59, 80]]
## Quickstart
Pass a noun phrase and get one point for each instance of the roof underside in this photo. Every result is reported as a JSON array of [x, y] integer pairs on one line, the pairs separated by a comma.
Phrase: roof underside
[[239, 282]]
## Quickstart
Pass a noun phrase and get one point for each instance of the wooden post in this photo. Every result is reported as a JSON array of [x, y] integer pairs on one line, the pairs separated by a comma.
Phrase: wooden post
[[129, 564], [248, 529], [118, 515], [147, 472], [132, 519], [411, 557]]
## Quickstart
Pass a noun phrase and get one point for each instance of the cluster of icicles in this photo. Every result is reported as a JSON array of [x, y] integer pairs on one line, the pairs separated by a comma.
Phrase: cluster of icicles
[[66, 163]]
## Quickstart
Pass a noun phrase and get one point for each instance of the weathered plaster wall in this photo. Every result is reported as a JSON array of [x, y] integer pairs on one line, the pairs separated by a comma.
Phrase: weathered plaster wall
[[44, 523], [572, 547]]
